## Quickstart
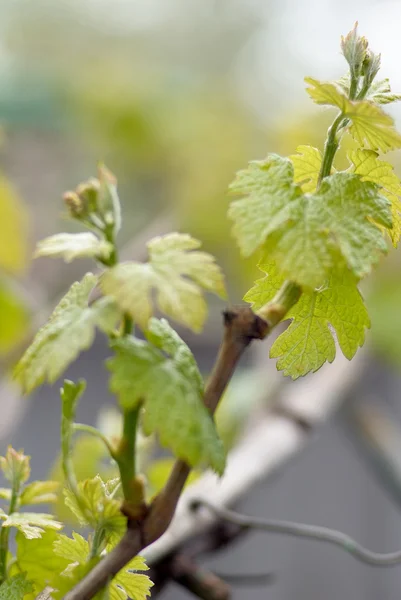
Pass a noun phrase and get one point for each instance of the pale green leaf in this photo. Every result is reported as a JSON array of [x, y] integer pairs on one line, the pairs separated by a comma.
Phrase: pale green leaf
[[37, 558], [269, 193], [371, 126], [308, 342], [345, 215], [39, 492], [97, 508], [177, 272], [15, 588], [15, 466], [130, 583], [70, 329], [380, 92], [354, 49], [32, 525], [327, 94], [74, 245], [75, 549], [367, 165], [170, 387], [306, 163], [13, 229]]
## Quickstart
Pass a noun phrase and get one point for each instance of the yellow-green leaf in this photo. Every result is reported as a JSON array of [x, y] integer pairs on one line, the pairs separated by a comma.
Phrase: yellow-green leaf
[[74, 245], [130, 582], [40, 492], [69, 330], [371, 126], [307, 163], [308, 342], [176, 271], [269, 193], [31, 525], [367, 165]]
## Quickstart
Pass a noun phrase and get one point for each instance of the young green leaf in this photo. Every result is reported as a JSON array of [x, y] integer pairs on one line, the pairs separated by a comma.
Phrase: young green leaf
[[170, 388], [301, 232], [39, 492], [367, 165], [371, 126], [380, 93], [15, 588], [177, 271], [75, 549], [345, 215], [15, 466], [306, 163], [74, 245], [130, 583], [32, 525], [269, 193], [97, 508], [70, 329], [36, 557], [308, 341]]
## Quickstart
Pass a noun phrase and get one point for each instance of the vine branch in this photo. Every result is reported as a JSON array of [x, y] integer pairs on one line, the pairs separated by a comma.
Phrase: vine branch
[[302, 530], [241, 326]]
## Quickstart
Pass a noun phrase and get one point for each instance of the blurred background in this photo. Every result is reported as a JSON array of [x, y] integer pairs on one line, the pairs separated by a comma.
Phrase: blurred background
[[175, 96]]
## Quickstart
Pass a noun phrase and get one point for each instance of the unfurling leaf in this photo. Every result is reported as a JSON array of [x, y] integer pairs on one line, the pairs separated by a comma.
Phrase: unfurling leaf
[[177, 272], [304, 233], [69, 330], [367, 165], [308, 342], [380, 93], [39, 492], [354, 49], [31, 525], [15, 588], [371, 126], [97, 508], [74, 245], [15, 466], [171, 389]]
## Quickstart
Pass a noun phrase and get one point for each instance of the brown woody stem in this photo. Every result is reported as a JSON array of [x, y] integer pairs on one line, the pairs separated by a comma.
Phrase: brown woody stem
[[241, 326]]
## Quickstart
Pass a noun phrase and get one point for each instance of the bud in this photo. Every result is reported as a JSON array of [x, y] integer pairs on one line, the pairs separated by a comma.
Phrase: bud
[[74, 204], [108, 200], [88, 192], [371, 66], [354, 49]]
